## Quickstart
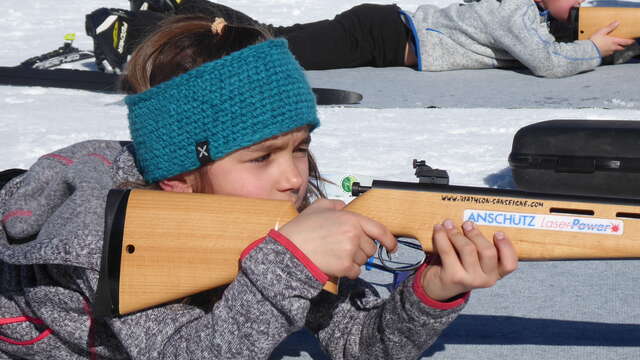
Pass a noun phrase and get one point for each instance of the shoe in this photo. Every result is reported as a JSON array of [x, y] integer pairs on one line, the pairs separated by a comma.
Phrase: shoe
[[160, 6], [108, 28], [62, 55]]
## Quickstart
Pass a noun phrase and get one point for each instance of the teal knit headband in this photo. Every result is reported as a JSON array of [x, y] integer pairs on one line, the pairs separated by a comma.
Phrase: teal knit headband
[[224, 105]]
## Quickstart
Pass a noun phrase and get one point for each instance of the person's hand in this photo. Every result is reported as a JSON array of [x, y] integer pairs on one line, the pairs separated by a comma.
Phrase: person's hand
[[466, 260], [338, 242], [609, 44]]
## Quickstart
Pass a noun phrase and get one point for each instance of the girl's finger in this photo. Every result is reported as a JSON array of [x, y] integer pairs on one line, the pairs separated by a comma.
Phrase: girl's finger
[[466, 249], [376, 230], [487, 253], [507, 255], [624, 42], [368, 246], [609, 28], [446, 252], [360, 258]]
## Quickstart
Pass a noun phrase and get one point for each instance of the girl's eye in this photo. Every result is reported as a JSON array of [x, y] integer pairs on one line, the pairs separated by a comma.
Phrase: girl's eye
[[262, 158], [302, 150]]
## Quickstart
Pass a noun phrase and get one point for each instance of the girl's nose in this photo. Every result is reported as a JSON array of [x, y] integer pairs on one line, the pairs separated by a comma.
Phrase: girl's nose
[[290, 177]]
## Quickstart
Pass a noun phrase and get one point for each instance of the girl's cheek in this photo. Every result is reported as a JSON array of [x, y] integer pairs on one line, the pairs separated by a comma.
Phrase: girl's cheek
[[303, 166], [251, 186]]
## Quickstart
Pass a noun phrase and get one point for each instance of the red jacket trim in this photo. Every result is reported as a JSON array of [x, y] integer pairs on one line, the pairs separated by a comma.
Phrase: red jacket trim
[[294, 250], [19, 319], [313, 269], [250, 248], [15, 213], [419, 291], [102, 158], [67, 161]]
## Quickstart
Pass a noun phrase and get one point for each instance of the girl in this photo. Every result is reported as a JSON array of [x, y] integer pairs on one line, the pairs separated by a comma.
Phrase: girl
[[219, 109]]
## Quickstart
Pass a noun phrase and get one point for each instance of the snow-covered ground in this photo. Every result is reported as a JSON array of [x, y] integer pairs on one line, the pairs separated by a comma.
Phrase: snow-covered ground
[[472, 144]]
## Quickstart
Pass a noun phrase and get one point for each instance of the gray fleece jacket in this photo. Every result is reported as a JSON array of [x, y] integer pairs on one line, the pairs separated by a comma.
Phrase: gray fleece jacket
[[495, 33], [52, 220]]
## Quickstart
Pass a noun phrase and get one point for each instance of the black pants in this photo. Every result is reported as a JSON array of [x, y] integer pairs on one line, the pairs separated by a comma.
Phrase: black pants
[[365, 35]]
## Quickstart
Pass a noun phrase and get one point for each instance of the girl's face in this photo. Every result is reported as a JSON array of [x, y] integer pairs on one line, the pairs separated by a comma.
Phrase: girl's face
[[277, 169], [560, 9]]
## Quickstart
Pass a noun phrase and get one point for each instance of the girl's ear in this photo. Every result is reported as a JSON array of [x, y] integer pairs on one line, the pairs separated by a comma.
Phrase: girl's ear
[[176, 184]]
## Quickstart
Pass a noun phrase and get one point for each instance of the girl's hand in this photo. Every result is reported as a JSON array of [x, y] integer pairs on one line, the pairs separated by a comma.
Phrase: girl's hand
[[466, 260], [338, 242], [609, 44]]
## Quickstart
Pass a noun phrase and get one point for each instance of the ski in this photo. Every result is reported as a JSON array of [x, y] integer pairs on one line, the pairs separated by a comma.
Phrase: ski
[[59, 78], [108, 82], [325, 96]]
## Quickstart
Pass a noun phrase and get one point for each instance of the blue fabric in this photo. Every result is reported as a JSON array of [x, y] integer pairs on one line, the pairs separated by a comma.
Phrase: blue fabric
[[219, 107]]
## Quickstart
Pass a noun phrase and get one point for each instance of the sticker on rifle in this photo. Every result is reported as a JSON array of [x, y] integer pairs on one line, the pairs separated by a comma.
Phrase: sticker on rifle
[[545, 222], [346, 183]]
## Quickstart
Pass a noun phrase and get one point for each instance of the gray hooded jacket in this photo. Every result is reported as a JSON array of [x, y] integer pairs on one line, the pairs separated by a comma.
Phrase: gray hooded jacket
[[495, 33], [50, 250]]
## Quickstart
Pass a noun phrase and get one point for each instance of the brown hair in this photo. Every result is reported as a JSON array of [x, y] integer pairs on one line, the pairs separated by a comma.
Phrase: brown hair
[[180, 44], [184, 42]]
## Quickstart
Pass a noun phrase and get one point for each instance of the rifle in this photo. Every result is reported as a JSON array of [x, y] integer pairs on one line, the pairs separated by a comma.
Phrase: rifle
[[585, 21], [162, 246]]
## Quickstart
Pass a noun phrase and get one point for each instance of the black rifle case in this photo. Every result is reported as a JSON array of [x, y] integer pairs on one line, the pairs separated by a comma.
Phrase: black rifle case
[[582, 157]]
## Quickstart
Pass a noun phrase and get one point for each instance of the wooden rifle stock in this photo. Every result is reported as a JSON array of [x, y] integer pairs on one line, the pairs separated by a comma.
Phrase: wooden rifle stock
[[592, 19], [162, 246]]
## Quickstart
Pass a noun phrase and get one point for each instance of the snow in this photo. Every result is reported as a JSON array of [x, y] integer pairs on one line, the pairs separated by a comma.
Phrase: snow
[[471, 143]]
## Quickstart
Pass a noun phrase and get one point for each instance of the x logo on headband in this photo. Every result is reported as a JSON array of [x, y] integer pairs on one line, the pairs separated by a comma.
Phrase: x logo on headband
[[202, 152]]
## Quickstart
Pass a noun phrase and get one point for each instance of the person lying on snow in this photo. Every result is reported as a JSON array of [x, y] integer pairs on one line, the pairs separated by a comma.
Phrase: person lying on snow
[[475, 34], [248, 138]]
